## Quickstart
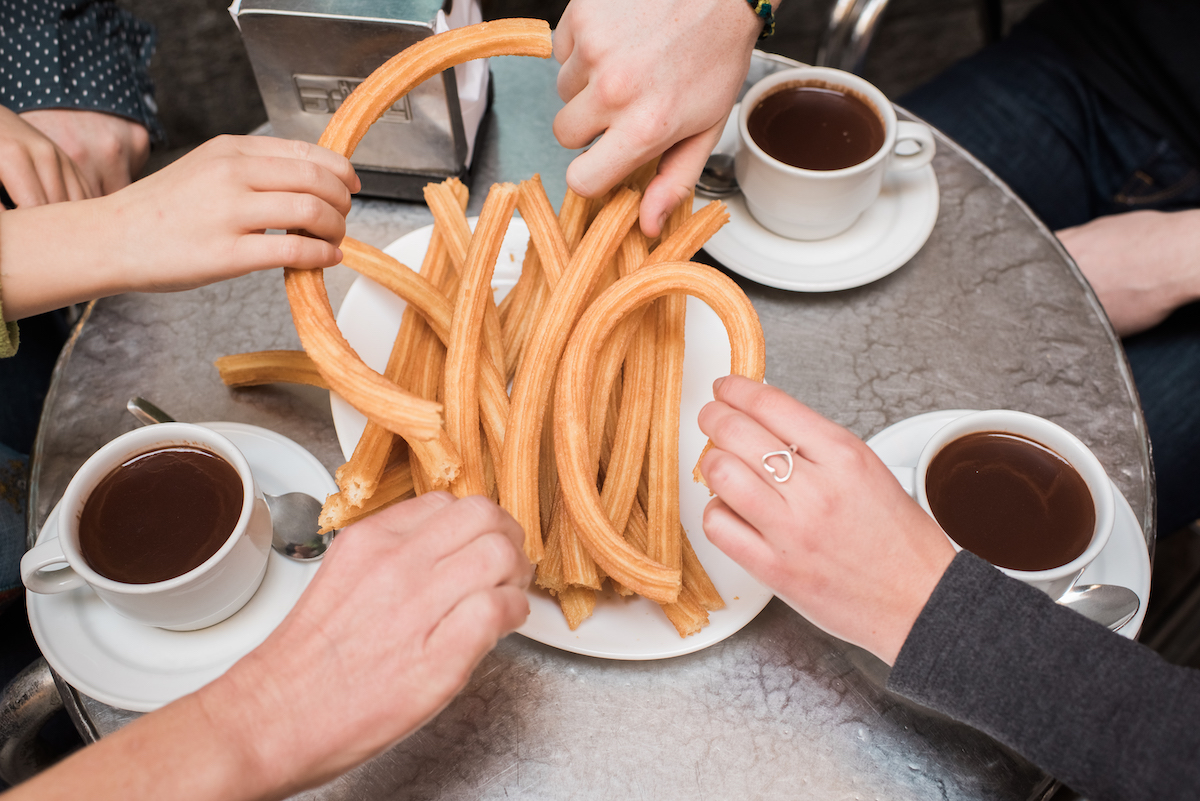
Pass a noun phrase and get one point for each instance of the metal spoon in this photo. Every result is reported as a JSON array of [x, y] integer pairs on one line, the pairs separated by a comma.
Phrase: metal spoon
[[717, 178], [1109, 605], [293, 515]]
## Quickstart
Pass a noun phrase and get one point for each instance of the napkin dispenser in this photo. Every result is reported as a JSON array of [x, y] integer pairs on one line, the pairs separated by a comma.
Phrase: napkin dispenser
[[308, 55]]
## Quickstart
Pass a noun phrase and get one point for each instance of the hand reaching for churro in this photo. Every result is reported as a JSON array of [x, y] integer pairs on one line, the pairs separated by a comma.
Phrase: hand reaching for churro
[[199, 220], [839, 541], [649, 79]]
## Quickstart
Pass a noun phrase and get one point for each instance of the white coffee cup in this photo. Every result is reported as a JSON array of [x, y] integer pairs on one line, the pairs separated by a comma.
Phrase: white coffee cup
[[1054, 581], [816, 204], [203, 596]]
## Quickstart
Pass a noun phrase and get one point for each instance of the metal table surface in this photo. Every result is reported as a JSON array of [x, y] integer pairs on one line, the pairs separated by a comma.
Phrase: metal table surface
[[990, 313]]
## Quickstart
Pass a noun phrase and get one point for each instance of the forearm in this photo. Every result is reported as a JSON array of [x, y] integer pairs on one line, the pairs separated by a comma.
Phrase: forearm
[[55, 255], [179, 752], [1101, 713]]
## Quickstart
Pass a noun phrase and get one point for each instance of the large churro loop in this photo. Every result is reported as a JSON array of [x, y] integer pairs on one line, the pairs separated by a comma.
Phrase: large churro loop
[[607, 546], [368, 391]]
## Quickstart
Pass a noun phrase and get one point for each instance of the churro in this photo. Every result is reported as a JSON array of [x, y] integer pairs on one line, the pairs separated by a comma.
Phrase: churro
[[269, 367], [366, 390], [607, 546], [532, 385], [460, 383]]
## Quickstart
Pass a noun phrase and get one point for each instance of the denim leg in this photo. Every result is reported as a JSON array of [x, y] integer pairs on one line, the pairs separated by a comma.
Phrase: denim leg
[[1166, 369], [13, 491], [1024, 112]]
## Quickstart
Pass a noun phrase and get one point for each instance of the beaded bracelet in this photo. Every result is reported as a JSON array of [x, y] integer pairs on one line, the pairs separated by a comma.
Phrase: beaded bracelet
[[763, 9]]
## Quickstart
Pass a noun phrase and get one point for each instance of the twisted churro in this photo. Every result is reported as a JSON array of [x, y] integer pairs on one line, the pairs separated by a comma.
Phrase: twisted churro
[[438, 313], [572, 448], [366, 390], [463, 350], [415, 363], [269, 367], [532, 385]]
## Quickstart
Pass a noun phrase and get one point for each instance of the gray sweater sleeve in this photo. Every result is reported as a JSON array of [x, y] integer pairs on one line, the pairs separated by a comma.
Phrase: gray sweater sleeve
[[1101, 713]]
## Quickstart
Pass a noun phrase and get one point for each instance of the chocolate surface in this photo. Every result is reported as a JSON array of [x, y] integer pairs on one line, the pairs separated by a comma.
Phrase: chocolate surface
[[160, 514], [816, 127], [1010, 500]]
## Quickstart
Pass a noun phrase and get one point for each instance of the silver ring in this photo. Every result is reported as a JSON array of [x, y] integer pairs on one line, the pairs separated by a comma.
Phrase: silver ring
[[770, 468]]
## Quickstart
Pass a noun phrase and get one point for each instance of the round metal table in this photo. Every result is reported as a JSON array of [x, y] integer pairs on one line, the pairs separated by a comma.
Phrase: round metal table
[[990, 313]]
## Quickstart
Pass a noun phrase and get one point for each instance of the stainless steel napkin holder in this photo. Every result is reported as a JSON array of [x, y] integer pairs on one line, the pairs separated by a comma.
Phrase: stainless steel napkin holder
[[308, 55]]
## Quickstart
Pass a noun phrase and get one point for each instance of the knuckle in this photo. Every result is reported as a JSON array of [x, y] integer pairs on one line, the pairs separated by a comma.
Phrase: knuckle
[[307, 210], [485, 513], [615, 88], [290, 249], [768, 404]]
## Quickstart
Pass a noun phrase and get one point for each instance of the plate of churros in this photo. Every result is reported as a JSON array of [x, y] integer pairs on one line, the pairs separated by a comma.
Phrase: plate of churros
[[629, 627], [571, 399]]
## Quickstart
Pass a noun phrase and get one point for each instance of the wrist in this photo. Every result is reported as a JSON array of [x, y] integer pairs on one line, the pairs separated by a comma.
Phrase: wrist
[[55, 255], [764, 10], [911, 596]]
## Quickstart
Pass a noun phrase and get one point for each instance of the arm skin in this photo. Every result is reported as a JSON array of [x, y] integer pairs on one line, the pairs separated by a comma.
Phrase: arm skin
[[649, 79], [109, 151], [200, 220], [409, 600], [1142, 264]]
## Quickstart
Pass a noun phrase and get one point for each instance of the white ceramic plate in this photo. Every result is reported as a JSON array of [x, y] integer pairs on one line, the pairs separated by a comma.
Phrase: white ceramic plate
[[884, 238], [132, 666], [620, 629], [1125, 560]]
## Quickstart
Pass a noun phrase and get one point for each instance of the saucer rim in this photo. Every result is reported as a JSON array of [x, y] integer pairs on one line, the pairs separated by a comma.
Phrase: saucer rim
[[734, 256]]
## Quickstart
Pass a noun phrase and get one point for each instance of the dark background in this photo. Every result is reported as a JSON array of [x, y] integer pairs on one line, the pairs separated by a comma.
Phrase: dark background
[[205, 86]]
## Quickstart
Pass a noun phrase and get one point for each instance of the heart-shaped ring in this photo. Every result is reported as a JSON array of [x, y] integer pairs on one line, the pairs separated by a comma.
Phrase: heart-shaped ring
[[770, 468]]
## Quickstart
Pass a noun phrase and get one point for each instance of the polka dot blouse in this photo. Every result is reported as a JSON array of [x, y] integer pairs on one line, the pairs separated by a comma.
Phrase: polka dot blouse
[[77, 54]]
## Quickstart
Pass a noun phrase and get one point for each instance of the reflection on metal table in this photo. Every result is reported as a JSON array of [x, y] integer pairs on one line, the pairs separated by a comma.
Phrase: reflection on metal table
[[990, 313]]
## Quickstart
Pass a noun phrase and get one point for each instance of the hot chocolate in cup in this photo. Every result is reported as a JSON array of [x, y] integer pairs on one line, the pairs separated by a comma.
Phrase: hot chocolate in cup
[[167, 526], [814, 146], [1019, 491]]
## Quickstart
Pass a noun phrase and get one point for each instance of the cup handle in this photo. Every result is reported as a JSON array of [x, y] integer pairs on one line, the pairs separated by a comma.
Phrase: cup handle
[[35, 572], [907, 131], [907, 476]]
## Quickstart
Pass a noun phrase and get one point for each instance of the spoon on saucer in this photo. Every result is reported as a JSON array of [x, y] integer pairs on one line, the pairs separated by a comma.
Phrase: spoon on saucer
[[717, 178], [294, 515], [1109, 605]]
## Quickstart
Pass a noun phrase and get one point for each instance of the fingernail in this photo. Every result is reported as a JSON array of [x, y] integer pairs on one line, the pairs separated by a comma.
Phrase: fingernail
[[717, 384], [662, 220]]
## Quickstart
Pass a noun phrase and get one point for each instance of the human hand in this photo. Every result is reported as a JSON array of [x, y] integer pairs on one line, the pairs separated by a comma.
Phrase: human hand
[[204, 218], [33, 169], [405, 605], [1142, 264], [649, 79], [199, 220], [109, 151], [840, 541]]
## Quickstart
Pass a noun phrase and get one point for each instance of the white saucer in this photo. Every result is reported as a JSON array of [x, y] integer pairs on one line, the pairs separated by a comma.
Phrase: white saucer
[[634, 628], [884, 238], [1125, 560], [132, 666]]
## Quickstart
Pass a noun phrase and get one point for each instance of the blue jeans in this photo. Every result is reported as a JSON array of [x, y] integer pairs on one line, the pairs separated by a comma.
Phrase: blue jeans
[[13, 492], [1072, 156]]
